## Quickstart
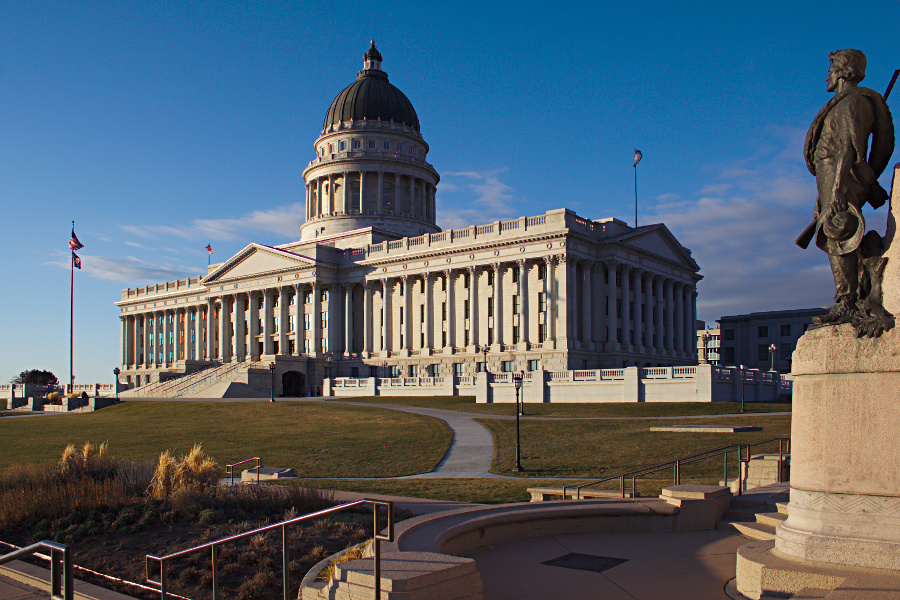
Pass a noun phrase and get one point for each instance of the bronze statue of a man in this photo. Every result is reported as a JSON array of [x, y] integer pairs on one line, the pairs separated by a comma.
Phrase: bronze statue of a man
[[846, 171]]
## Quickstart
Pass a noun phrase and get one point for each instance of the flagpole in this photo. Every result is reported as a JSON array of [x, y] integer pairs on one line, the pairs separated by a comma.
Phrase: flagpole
[[72, 321]]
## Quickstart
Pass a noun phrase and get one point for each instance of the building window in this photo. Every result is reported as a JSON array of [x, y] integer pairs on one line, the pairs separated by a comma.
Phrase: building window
[[542, 333], [323, 296], [354, 372], [762, 352], [728, 335], [458, 369], [401, 317], [466, 309], [786, 330], [542, 302], [786, 351], [342, 146], [443, 339], [466, 280], [491, 277], [515, 334], [399, 147], [386, 146], [515, 275], [534, 365], [421, 313], [490, 307], [435, 370], [515, 300], [727, 355], [619, 335], [618, 306], [490, 339], [324, 344], [762, 331], [466, 337], [307, 321], [356, 144], [330, 148], [542, 270], [371, 144], [444, 283], [325, 320], [413, 370], [443, 311], [506, 366]]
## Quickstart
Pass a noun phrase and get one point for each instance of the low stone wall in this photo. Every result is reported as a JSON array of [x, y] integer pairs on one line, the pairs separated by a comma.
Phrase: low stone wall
[[701, 383]]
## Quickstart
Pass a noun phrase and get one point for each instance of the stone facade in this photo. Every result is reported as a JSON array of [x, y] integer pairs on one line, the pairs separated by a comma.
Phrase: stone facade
[[374, 287]]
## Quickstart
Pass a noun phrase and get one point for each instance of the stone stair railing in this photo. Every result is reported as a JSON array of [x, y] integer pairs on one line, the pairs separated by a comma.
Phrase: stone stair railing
[[155, 389]]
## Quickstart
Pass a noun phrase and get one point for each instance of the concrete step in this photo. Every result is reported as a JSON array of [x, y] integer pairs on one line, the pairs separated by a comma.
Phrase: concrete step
[[774, 519], [746, 514], [751, 500], [811, 594], [754, 531], [782, 507]]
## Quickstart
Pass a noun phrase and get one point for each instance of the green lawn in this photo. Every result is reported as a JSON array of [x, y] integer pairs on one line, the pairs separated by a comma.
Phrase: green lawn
[[315, 439], [578, 409], [594, 449]]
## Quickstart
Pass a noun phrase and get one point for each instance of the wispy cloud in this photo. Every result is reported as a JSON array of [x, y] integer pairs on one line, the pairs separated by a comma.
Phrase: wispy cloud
[[473, 197], [741, 228], [128, 269], [284, 221]]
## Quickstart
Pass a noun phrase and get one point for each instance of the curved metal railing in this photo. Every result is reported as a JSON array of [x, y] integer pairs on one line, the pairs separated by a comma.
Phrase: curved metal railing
[[213, 547]]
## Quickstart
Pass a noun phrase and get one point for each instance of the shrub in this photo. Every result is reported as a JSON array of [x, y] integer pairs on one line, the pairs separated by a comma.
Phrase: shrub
[[256, 586], [195, 469]]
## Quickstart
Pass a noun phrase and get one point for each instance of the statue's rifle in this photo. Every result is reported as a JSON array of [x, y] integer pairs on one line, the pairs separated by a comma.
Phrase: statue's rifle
[[808, 233]]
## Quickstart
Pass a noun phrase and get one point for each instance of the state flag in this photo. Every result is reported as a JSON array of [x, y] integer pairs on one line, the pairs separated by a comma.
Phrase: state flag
[[637, 157], [76, 261]]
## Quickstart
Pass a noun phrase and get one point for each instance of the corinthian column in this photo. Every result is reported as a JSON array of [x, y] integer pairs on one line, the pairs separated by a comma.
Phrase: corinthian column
[[387, 320], [523, 302], [473, 306], [498, 306], [451, 311], [299, 319], [367, 319], [626, 307], [587, 308], [407, 314]]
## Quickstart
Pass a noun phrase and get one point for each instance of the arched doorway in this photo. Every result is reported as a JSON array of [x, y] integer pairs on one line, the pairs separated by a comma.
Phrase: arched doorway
[[293, 383]]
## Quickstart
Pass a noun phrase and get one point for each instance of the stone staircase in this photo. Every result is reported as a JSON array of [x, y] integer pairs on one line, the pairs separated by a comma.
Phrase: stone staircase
[[756, 514], [213, 382]]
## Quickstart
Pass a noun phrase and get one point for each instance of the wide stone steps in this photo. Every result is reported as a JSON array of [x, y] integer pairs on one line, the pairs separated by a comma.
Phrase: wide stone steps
[[755, 516]]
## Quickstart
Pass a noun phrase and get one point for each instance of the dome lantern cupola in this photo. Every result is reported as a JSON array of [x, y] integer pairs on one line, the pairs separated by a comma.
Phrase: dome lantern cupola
[[370, 168]]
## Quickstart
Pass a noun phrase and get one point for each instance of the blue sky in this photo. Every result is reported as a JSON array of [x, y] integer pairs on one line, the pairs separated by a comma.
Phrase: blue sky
[[160, 127]]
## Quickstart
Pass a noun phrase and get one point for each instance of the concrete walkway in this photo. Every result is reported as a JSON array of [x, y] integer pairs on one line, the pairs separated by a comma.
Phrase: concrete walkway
[[13, 590]]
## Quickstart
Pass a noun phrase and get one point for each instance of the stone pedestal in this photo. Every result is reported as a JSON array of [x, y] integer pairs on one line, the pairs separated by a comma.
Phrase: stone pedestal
[[845, 457]]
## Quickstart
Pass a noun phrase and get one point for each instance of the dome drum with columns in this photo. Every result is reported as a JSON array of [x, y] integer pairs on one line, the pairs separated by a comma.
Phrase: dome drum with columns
[[370, 168], [374, 286]]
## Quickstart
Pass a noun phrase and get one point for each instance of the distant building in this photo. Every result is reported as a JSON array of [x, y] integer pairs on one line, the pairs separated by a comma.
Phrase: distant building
[[746, 339]]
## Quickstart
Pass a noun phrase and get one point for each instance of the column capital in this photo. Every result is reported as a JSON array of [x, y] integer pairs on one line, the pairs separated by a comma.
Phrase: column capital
[[447, 272], [296, 287], [612, 265], [563, 258], [471, 269], [521, 263], [365, 284], [625, 268], [496, 266], [548, 260]]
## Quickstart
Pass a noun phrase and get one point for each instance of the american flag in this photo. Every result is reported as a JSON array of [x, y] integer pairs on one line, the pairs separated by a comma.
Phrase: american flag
[[74, 244], [637, 157], [209, 248], [76, 260]]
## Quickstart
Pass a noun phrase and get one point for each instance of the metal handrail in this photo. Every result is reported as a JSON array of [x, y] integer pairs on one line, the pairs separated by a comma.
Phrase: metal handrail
[[285, 562], [229, 469], [784, 445], [61, 583]]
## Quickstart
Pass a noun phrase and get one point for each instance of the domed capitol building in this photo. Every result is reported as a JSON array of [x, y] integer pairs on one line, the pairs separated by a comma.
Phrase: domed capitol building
[[374, 288]]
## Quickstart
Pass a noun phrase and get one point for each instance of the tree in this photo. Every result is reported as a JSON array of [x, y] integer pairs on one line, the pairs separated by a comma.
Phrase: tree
[[36, 377]]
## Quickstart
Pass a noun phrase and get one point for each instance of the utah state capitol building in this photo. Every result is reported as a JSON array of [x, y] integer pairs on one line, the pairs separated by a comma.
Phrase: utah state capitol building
[[374, 287]]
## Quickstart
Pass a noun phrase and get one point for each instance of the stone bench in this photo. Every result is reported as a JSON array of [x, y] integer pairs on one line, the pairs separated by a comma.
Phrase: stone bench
[[542, 494]]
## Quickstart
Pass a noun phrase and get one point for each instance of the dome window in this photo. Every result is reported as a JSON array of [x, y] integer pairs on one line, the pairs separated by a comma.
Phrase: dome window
[[330, 148], [387, 145], [356, 144], [342, 146], [399, 148], [371, 144]]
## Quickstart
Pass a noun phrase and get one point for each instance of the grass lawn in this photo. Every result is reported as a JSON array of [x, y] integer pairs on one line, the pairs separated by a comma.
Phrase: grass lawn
[[578, 409], [315, 439], [595, 449]]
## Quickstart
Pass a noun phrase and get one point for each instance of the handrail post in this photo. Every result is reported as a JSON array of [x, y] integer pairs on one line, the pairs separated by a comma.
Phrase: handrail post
[[285, 562], [162, 578], [377, 552], [622, 485], [258, 467], [215, 573], [68, 574]]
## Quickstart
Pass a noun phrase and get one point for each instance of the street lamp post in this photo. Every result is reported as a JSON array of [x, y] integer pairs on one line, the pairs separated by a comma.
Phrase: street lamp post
[[741, 375], [772, 354], [517, 381], [484, 350], [706, 337], [272, 382], [384, 369], [116, 372]]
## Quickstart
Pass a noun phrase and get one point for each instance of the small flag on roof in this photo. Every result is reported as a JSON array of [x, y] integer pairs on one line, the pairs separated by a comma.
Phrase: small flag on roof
[[76, 261], [74, 244], [637, 157], [209, 248]]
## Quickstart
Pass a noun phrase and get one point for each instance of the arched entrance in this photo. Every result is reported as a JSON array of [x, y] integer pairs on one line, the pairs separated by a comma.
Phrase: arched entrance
[[293, 383]]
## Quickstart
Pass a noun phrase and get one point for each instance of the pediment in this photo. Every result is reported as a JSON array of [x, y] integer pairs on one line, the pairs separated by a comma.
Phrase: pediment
[[255, 260], [659, 241]]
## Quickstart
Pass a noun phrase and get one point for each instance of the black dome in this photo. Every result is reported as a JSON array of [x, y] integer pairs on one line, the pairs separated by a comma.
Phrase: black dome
[[371, 97]]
